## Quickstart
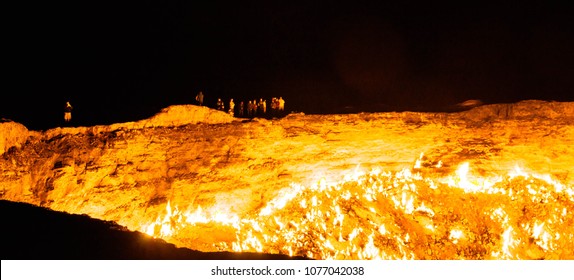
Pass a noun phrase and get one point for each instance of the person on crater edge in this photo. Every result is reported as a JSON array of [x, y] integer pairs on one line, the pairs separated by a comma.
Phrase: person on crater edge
[[281, 106], [241, 109], [68, 112], [199, 98], [231, 107]]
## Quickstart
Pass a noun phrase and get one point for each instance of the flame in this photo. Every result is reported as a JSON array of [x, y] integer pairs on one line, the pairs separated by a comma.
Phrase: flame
[[407, 214]]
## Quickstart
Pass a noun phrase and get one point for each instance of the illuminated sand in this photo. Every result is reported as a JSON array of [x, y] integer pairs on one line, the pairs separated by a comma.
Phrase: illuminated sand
[[492, 183]]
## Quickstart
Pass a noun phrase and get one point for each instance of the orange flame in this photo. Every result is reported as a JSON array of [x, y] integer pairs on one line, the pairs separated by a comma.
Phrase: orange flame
[[403, 215]]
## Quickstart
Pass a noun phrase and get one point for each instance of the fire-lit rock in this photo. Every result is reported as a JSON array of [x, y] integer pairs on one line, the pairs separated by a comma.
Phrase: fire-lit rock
[[492, 182]]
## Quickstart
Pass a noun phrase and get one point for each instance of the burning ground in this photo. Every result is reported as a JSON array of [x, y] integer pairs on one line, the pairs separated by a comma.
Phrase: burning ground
[[42, 234], [493, 182]]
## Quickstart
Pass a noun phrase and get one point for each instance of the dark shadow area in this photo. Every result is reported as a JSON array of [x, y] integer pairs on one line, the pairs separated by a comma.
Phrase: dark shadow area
[[37, 233], [360, 56]]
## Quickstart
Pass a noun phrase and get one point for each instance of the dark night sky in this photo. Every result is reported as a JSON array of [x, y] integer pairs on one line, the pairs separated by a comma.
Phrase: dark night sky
[[117, 61]]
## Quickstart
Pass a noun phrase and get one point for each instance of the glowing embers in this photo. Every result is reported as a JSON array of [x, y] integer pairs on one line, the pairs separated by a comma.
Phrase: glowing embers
[[471, 184], [404, 215], [174, 220]]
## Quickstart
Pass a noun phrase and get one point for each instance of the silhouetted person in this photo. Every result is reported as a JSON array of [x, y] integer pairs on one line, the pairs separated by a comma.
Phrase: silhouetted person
[[231, 107], [199, 98], [274, 106], [263, 105], [260, 107], [250, 109], [281, 105], [68, 112], [254, 108], [241, 108]]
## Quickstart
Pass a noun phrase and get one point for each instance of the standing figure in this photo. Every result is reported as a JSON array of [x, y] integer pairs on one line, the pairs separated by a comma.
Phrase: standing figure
[[281, 105], [68, 112], [260, 107], [231, 107], [199, 98], [274, 106], [250, 109], [241, 108]]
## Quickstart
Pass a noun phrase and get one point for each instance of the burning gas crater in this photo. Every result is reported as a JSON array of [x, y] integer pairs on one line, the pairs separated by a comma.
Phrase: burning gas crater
[[411, 214]]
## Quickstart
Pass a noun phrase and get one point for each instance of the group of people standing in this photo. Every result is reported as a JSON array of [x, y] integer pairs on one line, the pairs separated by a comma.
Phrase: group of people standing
[[250, 109], [258, 108]]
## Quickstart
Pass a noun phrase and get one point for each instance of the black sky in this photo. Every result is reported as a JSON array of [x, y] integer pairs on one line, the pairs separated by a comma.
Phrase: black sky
[[119, 61]]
